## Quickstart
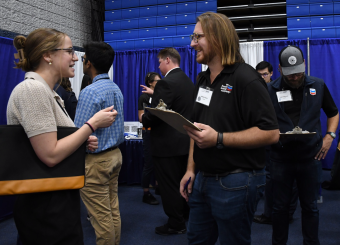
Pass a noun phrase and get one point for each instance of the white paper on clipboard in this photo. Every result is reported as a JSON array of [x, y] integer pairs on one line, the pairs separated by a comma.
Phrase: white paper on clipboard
[[173, 118]]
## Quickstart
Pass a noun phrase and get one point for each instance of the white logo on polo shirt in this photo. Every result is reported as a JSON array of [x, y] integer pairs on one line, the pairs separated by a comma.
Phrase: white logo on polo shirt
[[226, 88]]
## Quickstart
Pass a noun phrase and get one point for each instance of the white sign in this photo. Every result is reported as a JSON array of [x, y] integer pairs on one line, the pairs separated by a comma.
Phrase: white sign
[[131, 127]]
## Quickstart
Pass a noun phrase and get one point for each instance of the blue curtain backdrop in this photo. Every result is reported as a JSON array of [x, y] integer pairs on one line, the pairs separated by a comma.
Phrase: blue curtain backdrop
[[130, 68], [324, 63], [9, 77]]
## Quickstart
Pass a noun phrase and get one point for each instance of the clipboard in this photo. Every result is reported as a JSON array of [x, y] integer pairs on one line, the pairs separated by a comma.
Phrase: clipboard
[[297, 136], [173, 118]]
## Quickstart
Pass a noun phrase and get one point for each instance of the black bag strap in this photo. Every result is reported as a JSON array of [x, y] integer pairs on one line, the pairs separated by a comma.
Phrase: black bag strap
[[61, 107], [54, 97]]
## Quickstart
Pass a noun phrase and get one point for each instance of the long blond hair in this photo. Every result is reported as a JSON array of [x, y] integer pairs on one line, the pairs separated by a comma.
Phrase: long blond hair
[[222, 37]]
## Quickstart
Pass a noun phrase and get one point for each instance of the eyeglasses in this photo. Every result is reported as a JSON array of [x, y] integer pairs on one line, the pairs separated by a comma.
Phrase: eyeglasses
[[69, 50], [195, 37], [295, 75], [264, 74], [83, 58]]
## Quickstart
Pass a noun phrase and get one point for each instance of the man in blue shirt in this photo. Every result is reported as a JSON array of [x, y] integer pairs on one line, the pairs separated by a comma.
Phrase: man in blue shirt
[[103, 165]]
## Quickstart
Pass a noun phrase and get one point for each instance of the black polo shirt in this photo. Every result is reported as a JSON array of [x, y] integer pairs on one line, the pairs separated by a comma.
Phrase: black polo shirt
[[293, 108], [240, 100], [144, 100]]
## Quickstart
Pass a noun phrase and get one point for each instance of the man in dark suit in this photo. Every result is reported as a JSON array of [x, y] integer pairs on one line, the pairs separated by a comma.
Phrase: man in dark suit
[[169, 147]]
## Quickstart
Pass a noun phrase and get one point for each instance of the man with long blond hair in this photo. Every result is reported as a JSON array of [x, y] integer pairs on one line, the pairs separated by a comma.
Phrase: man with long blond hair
[[234, 111]]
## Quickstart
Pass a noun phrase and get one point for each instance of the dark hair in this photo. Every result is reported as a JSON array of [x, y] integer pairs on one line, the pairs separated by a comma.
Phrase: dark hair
[[263, 65], [66, 84], [86, 81], [150, 77], [221, 36], [35, 45], [101, 56], [171, 53]]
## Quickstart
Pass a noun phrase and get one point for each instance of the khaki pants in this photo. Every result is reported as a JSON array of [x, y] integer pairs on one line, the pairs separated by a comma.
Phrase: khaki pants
[[100, 195]]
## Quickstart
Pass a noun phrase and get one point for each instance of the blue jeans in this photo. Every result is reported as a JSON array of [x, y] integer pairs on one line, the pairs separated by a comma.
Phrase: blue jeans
[[307, 175], [224, 207]]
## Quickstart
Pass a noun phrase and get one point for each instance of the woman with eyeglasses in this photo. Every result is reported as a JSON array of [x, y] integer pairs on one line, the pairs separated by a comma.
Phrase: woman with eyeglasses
[[151, 80], [47, 55]]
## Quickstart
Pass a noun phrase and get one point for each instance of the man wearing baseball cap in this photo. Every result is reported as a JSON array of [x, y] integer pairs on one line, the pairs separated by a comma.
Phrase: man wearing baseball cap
[[297, 100]]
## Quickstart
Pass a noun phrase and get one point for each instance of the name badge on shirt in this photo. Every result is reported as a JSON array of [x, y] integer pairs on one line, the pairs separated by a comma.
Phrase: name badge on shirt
[[284, 96], [204, 95]]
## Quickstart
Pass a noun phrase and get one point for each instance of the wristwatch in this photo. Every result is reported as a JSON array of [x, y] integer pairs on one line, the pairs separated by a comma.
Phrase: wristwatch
[[332, 134], [219, 144]]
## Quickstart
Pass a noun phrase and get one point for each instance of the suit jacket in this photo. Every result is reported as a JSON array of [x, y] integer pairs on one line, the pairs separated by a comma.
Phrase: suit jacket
[[177, 91]]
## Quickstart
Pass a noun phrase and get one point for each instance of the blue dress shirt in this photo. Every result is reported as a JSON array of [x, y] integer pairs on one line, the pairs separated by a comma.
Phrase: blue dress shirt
[[102, 93]]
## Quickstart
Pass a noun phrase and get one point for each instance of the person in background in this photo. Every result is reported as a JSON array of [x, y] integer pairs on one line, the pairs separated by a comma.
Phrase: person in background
[[298, 100], [237, 120], [265, 69], [63, 88], [49, 217], [85, 82], [102, 167], [151, 80], [170, 147]]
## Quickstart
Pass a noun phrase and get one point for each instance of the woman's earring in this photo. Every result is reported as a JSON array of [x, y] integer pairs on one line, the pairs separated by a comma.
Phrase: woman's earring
[[50, 63]]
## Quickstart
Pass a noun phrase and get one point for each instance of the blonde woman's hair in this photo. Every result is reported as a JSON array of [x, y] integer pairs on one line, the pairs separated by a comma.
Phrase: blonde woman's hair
[[35, 45]]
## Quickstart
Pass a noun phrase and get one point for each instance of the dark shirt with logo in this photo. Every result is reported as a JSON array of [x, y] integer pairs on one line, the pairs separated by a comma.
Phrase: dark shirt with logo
[[144, 100], [293, 108], [303, 111], [240, 101]]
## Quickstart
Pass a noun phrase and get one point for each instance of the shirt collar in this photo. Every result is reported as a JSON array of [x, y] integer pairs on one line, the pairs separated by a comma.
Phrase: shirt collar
[[170, 70], [230, 68], [100, 77], [227, 69], [285, 86], [277, 83], [37, 77]]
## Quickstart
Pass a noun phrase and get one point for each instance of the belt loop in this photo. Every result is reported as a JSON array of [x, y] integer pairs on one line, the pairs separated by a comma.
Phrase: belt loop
[[216, 176]]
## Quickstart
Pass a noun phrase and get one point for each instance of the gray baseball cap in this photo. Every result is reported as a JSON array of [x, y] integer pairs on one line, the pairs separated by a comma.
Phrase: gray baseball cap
[[291, 60]]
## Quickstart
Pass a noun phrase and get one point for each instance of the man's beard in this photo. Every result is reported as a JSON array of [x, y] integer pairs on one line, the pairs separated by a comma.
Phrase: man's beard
[[206, 57], [296, 83]]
